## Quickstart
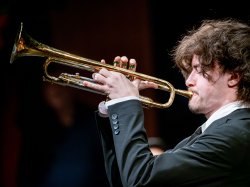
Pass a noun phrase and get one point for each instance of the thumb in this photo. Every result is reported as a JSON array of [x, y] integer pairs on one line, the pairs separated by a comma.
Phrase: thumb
[[146, 84]]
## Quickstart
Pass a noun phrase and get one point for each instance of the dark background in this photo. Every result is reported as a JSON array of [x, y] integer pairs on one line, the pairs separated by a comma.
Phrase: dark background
[[144, 30]]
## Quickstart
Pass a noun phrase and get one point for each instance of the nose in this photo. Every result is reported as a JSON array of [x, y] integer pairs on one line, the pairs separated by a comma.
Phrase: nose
[[190, 81]]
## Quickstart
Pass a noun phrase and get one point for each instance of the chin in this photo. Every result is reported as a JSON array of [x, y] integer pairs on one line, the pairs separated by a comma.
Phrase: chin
[[193, 106]]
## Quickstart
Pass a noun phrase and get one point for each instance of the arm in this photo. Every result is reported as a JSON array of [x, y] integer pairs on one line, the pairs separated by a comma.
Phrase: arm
[[110, 161], [207, 158]]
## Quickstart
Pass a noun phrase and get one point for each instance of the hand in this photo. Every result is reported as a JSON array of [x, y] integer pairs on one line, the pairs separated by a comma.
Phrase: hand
[[117, 85], [131, 64]]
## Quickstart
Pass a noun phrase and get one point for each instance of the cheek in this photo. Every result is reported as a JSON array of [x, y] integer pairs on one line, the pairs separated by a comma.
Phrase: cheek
[[206, 90]]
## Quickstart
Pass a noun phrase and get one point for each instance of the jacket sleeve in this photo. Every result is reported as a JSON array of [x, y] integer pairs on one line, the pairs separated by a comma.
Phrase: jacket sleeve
[[110, 161]]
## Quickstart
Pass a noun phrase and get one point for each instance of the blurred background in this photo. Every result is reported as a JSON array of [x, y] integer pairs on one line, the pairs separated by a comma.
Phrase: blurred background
[[48, 132]]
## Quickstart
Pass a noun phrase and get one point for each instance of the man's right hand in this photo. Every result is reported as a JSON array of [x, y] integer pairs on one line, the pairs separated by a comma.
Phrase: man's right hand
[[115, 84]]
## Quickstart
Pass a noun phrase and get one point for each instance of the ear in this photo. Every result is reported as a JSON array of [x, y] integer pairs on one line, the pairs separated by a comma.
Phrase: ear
[[233, 80]]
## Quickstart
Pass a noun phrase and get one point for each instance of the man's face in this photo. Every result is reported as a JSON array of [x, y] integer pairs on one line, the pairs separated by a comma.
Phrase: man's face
[[209, 94]]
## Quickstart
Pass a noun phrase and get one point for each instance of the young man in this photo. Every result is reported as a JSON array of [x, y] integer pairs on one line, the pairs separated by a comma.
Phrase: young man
[[215, 61]]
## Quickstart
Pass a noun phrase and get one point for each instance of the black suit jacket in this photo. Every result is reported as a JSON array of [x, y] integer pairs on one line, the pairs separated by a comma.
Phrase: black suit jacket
[[218, 157]]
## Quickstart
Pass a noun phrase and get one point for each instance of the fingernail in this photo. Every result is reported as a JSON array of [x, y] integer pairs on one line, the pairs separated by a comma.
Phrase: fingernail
[[124, 58], [132, 61]]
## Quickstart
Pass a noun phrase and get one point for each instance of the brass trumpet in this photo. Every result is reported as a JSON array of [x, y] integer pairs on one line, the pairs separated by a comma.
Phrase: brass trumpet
[[26, 46]]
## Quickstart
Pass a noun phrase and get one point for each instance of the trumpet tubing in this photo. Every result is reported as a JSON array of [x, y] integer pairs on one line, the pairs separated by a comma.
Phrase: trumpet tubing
[[26, 46]]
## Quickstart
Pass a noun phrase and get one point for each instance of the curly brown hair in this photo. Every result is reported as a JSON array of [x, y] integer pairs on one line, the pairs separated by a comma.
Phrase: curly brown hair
[[226, 42]]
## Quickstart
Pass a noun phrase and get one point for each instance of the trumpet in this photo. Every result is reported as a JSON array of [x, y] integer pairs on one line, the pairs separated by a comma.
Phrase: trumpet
[[25, 45]]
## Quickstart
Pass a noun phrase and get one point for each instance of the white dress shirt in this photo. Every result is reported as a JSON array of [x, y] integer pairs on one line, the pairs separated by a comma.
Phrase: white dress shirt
[[223, 111]]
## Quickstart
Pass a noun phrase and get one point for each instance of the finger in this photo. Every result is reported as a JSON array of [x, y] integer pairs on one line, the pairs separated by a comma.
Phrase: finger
[[124, 62], [136, 82], [105, 73], [146, 84], [132, 67], [132, 64], [93, 75], [103, 61], [117, 61], [95, 86], [99, 78]]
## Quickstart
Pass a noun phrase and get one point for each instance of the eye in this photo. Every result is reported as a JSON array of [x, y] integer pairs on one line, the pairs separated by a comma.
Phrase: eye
[[197, 69], [205, 75], [200, 71]]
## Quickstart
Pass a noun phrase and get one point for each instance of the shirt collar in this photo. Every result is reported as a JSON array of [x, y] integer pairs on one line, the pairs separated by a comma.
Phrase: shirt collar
[[223, 111]]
